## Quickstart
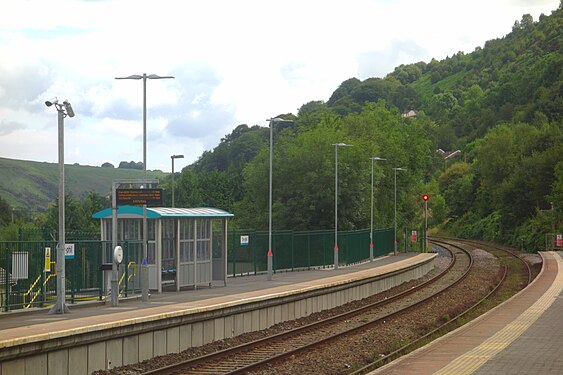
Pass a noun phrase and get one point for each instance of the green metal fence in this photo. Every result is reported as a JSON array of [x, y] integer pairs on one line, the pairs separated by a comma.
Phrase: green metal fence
[[28, 272], [28, 269], [301, 250]]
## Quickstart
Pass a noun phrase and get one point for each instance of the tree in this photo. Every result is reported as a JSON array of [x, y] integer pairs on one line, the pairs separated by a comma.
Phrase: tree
[[107, 165], [456, 185], [343, 90], [5, 213]]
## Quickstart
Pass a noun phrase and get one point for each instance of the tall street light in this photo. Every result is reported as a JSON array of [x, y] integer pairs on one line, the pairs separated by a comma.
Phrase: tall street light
[[336, 145], [395, 230], [144, 265], [64, 110], [174, 157], [270, 254], [373, 159]]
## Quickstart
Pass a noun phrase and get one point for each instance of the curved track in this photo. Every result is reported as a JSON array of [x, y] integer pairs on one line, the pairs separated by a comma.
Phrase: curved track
[[505, 264], [250, 356]]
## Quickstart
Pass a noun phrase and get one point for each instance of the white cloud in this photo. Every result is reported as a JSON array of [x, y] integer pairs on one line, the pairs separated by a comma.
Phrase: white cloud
[[234, 61]]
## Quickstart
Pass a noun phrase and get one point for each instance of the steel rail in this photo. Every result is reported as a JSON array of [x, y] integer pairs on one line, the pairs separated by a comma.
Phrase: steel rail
[[412, 345], [280, 351]]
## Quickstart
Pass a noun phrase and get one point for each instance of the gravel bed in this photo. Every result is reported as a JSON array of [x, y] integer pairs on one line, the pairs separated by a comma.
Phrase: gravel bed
[[356, 351]]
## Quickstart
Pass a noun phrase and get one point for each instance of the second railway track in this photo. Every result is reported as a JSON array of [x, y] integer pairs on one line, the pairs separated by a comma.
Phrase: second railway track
[[251, 356], [353, 340]]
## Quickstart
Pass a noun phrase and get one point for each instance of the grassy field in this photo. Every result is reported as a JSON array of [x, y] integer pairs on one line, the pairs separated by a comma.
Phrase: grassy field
[[31, 185]]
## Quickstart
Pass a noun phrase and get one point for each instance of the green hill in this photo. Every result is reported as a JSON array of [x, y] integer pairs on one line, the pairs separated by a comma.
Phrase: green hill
[[31, 186]]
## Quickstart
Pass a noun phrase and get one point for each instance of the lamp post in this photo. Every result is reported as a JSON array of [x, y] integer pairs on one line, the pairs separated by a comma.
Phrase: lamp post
[[395, 230], [144, 265], [336, 145], [270, 254], [63, 110], [373, 159], [174, 157]]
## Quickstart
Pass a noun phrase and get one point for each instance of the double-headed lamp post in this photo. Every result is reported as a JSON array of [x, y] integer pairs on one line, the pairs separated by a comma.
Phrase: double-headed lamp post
[[144, 265], [373, 159], [270, 254], [395, 220], [336, 145], [174, 157], [64, 110]]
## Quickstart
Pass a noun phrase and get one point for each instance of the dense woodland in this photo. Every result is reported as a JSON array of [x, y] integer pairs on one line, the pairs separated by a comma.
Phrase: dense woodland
[[500, 105]]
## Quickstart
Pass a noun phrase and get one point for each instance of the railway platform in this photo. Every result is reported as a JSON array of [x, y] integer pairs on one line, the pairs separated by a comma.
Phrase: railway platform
[[524, 335], [99, 336]]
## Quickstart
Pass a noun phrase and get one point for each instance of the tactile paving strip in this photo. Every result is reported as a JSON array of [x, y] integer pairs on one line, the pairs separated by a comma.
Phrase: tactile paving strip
[[474, 359]]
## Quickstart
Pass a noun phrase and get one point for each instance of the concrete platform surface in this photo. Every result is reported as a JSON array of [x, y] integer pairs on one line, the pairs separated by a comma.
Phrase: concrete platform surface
[[17, 327], [524, 335]]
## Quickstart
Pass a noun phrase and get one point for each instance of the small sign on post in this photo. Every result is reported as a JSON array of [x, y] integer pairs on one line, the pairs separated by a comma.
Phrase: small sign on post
[[559, 240], [413, 235], [69, 251], [244, 240]]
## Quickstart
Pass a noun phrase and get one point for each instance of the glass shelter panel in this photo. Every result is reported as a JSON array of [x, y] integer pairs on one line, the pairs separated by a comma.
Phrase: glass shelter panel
[[151, 245], [187, 240], [168, 253], [203, 239]]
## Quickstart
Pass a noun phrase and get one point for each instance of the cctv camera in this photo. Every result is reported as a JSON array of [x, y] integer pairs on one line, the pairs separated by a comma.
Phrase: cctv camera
[[68, 107], [49, 103]]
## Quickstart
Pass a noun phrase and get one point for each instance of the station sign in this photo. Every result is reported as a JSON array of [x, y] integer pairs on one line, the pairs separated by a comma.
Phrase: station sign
[[413, 236], [133, 197], [559, 240], [244, 240], [69, 251]]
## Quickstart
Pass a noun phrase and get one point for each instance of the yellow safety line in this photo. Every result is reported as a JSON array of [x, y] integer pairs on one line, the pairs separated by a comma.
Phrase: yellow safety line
[[474, 359]]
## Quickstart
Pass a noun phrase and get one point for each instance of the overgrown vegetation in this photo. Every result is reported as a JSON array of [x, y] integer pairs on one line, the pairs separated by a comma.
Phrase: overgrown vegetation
[[500, 105]]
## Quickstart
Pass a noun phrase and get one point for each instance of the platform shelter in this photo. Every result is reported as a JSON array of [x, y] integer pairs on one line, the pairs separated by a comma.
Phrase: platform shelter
[[181, 241]]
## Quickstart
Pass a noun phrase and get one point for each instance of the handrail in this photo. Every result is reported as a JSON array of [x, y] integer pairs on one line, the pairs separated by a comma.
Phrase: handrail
[[33, 285], [134, 264]]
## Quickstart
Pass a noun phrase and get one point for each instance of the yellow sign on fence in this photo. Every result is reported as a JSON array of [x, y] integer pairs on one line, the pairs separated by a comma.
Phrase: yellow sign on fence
[[47, 259]]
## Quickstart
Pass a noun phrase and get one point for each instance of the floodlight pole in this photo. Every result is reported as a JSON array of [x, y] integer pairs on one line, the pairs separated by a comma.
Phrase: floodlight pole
[[60, 306], [144, 264]]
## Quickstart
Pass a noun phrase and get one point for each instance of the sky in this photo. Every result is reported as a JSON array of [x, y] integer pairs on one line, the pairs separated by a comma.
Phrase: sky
[[233, 62]]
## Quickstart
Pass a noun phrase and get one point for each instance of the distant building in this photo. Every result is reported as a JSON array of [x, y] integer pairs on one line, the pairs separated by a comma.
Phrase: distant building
[[447, 154], [410, 113]]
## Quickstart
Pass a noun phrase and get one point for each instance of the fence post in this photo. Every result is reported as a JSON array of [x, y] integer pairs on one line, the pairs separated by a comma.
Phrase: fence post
[[308, 251]]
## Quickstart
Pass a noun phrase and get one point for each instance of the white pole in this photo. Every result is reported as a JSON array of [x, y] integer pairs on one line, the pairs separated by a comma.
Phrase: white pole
[[336, 208], [270, 254]]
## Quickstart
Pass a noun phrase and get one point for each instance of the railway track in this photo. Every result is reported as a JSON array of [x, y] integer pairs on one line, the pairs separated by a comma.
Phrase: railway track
[[506, 260], [251, 356]]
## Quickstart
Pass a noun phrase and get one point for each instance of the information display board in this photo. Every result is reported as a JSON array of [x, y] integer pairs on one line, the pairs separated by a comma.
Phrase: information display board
[[154, 197]]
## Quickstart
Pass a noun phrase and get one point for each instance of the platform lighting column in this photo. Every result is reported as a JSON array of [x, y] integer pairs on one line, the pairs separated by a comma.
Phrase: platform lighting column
[[270, 254], [373, 159], [63, 110], [426, 224], [336, 145], [144, 264], [395, 220], [174, 157]]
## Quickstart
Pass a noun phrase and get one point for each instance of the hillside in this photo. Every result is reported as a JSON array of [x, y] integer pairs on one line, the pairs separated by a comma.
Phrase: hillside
[[31, 185], [500, 106]]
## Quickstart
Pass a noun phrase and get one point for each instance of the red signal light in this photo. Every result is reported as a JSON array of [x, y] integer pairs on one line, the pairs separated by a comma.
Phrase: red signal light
[[425, 197]]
